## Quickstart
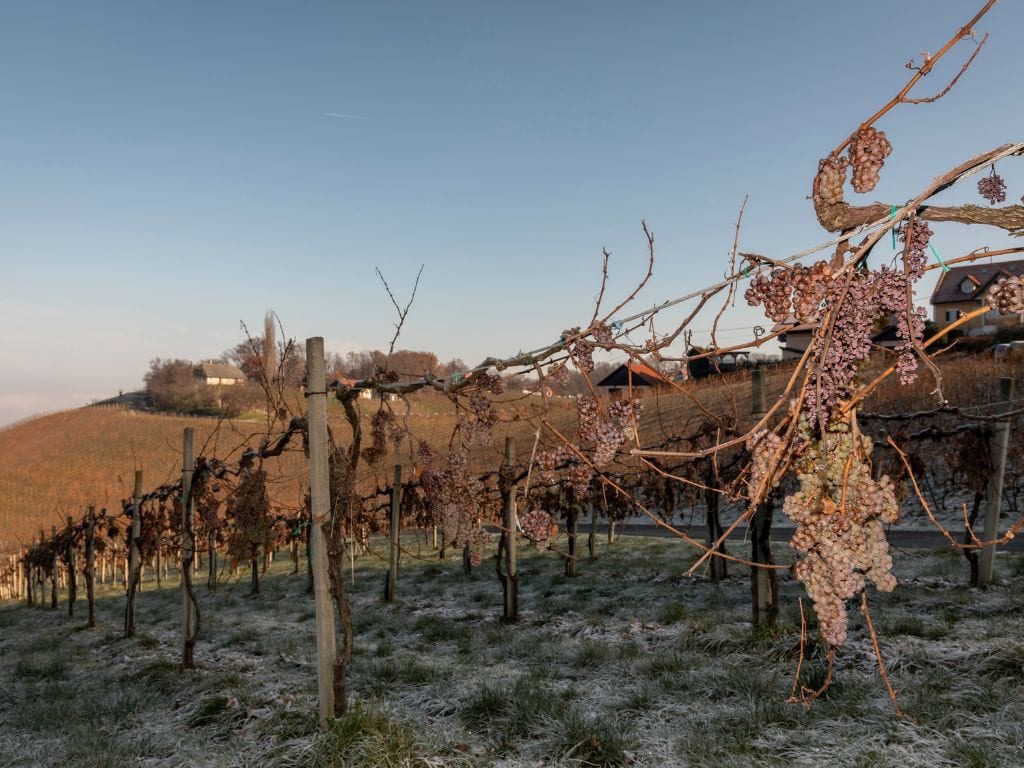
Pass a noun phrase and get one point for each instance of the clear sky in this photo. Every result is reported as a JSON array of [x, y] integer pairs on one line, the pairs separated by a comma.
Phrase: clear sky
[[168, 170]]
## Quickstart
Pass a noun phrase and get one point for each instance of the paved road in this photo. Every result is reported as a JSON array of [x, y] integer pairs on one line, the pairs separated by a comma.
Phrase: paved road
[[906, 539]]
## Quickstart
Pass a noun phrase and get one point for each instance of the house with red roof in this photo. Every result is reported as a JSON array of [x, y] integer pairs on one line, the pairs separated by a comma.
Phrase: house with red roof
[[635, 377]]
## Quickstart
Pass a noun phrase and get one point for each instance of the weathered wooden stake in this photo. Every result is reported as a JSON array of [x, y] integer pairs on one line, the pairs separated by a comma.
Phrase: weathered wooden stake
[[391, 587], [72, 576], [592, 536], [211, 572], [189, 610], [507, 543], [320, 507], [53, 569], [90, 566], [134, 563], [572, 515], [994, 497], [764, 586]]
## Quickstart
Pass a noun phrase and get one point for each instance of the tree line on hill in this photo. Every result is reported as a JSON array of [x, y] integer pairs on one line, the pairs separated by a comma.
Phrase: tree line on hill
[[172, 384]]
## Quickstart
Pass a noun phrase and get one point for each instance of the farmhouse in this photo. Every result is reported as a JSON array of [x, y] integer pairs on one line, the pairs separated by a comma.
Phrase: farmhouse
[[638, 376], [219, 374], [962, 290]]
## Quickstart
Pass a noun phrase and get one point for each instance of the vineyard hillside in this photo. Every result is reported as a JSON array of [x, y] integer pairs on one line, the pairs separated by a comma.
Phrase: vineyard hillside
[[57, 465]]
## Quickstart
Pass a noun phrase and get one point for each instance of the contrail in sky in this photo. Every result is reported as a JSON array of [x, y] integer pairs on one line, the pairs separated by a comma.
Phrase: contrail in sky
[[346, 116]]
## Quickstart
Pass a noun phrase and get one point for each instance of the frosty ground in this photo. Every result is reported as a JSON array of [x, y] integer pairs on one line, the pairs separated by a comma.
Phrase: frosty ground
[[629, 663]]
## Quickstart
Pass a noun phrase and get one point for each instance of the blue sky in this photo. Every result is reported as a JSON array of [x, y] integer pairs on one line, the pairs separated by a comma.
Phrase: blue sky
[[169, 170]]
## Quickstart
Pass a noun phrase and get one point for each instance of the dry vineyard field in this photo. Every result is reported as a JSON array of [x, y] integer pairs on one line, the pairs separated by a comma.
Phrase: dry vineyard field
[[629, 663]]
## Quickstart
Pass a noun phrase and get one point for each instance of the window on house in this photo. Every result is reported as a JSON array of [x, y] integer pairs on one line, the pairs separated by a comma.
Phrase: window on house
[[953, 314], [967, 286]]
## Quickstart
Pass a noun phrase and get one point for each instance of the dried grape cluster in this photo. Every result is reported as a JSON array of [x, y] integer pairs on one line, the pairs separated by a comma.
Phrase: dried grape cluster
[[797, 291], [582, 353], [992, 188], [379, 424], [836, 362], [603, 335], [249, 512], [840, 511], [450, 493], [588, 417], [1007, 296], [856, 305], [549, 461], [828, 184], [627, 414], [895, 292], [868, 150], [609, 438], [538, 527], [461, 526], [579, 477], [606, 435], [764, 447], [477, 431], [559, 373]]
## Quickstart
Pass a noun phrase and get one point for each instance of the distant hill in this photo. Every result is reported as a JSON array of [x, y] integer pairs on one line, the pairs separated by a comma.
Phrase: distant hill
[[56, 465]]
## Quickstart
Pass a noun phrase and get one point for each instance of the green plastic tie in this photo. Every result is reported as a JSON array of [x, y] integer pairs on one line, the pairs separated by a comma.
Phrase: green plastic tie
[[945, 266]]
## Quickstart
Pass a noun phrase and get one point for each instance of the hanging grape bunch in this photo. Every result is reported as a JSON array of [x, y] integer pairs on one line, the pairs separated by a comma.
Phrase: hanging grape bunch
[[606, 435], [1007, 296], [449, 494], [828, 184], [249, 511], [579, 477], [548, 462], [840, 512], [379, 424], [764, 447], [603, 335], [798, 291], [626, 413], [537, 527], [992, 187], [894, 288], [477, 431], [868, 150]]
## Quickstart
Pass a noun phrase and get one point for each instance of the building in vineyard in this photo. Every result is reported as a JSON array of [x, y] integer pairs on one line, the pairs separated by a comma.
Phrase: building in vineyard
[[219, 374], [635, 376]]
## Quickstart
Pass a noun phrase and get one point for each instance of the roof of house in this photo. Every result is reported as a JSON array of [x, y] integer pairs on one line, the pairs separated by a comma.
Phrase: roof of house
[[947, 290], [792, 325], [640, 374], [220, 371]]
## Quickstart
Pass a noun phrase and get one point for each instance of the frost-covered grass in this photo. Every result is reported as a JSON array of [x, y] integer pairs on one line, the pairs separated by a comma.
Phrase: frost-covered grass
[[629, 663]]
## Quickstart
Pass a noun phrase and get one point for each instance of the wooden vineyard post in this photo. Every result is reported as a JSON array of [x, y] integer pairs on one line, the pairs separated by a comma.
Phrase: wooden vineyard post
[[592, 535], [764, 586], [29, 594], [320, 509], [391, 588], [134, 562], [211, 548], [53, 568], [90, 565], [507, 541], [572, 515], [994, 497], [69, 558], [189, 610]]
